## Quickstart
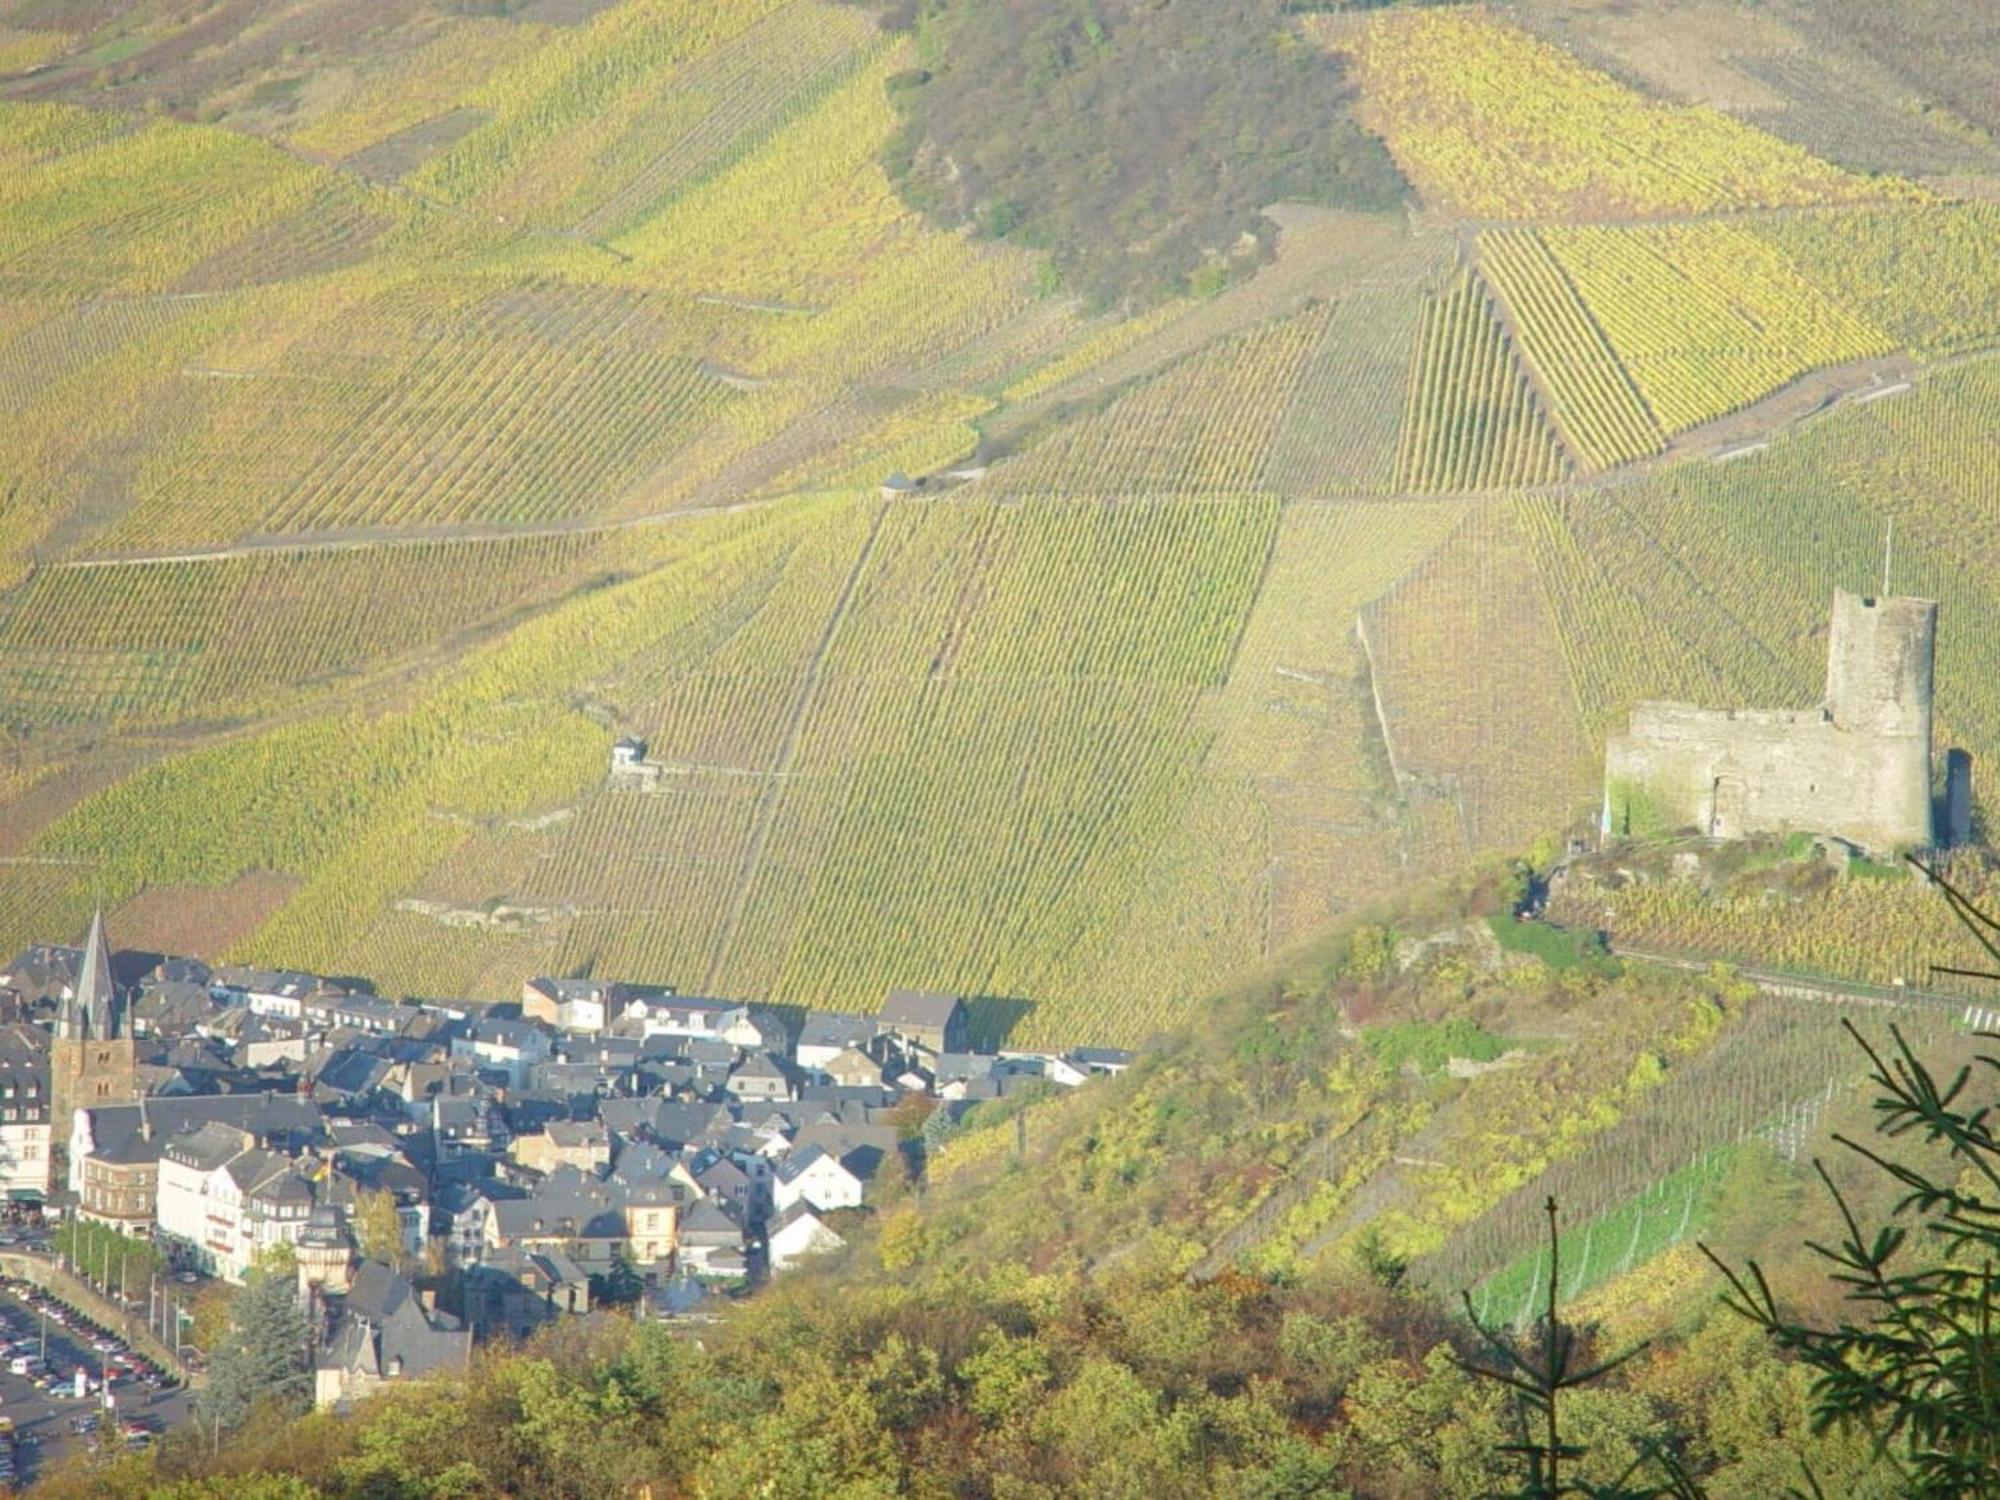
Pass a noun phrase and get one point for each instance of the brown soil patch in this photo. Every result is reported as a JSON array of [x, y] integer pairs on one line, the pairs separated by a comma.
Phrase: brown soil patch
[[198, 921]]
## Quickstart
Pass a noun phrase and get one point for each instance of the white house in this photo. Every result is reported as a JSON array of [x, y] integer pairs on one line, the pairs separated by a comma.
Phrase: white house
[[753, 1030], [362, 1012], [826, 1034], [507, 1047], [799, 1232], [26, 1131], [680, 1015], [580, 1005], [268, 992], [812, 1176], [228, 1200]]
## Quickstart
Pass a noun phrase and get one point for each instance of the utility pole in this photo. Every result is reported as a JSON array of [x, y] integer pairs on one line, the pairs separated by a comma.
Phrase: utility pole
[[1888, 553]]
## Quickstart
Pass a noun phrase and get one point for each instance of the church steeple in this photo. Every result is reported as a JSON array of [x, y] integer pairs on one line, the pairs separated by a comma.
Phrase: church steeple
[[92, 1059], [94, 1013]]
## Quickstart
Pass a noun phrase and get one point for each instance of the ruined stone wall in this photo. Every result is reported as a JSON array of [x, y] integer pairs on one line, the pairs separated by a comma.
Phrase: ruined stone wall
[[1858, 768]]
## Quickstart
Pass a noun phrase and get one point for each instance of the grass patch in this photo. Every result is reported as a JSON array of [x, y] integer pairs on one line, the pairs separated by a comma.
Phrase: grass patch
[[1795, 847], [1429, 1045], [1558, 947], [1861, 867], [1676, 1206]]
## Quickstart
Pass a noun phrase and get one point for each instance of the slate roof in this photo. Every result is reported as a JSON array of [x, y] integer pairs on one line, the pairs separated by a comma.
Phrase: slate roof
[[918, 1008], [1100, 1057], [832, 1028], [640, 1162], [92, 1009], [800, 1209], [384, 1328], [795, 1166], [669, 1122], [518, 1035], [860, 1148], [262, 1114], [705, 1224], [559, 1217], [350, 1072], [211, 1145]]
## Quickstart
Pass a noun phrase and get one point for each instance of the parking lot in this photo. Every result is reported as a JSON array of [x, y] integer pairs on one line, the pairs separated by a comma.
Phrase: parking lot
[[49, 1422]]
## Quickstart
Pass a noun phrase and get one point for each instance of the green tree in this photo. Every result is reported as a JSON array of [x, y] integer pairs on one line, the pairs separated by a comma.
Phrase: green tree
[[1547, 1376], [1137, 145], [620, 1286], [1917, 1365], [106, 1258], [263, 1356], [378, 1228], [209, 1316]]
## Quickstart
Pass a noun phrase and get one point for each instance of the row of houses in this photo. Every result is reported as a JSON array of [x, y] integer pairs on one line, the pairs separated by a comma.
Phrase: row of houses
[[591, 1139]]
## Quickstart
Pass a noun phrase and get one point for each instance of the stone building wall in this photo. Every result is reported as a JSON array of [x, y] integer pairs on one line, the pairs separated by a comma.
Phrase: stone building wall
[[1858, 767]]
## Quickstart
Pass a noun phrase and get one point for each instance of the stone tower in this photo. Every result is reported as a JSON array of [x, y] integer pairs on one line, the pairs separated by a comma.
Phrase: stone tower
[[325, 1254], [92, 1059], [1878, 691], [1857, 767]]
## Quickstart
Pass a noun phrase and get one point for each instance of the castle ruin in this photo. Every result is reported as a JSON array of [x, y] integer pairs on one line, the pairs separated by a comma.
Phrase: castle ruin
[[1857, 768]]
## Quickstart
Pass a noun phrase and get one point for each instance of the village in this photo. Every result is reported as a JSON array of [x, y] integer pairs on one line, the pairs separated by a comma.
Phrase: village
[[441, 1174]]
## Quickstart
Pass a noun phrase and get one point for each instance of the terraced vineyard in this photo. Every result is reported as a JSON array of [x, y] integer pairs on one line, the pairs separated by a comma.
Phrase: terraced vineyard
[[157, 641], [1471, 421], [1491, 122], [390, 421], [1705, 318], [1600, 411]]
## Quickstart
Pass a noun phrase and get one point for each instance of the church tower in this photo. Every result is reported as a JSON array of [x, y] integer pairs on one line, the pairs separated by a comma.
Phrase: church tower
[[92, 1059]]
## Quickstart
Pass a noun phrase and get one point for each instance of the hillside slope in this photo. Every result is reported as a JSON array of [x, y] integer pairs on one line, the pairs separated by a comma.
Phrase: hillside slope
[[1223, 1272], [392, 420]]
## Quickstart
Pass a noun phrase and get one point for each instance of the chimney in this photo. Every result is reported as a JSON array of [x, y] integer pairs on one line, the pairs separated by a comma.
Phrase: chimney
[[429, 1298]]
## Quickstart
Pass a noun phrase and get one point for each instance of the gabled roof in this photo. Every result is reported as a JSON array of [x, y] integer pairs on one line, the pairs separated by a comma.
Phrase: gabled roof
[[559, 1218], [832, 1028], [705, 1223], [859, 1148], [377, 1291], [952, 1065], [349, 1071], [386, 1330], [800, 1209], [281, 1186], [211, 1145], [800, 1162], [495, 1032], [641, 1161], [719, 1173], [261, 1114], [919, 1008]]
